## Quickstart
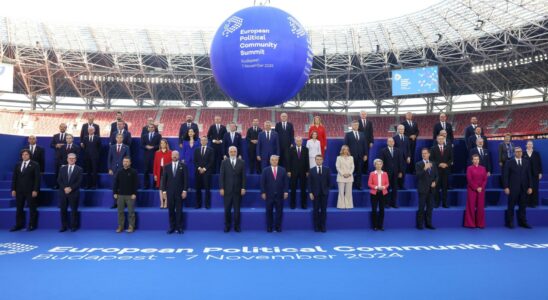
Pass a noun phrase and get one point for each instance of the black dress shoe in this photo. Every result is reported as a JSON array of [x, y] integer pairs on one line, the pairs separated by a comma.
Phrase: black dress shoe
[[395, 206], [15, 228], [430, 227], [374, 228], [31, 228], [525, 225], [179, 231], [381, 228], [323, 230], [420, 227], [269, 229], [304, 207], [278, 229], [114, 206], [208, 206], [445, 206], [316, 229], [227, 229], [63, 229], [170, 231], [237, 229], [436, 206], [197, 207], [74, 229], [509, 225], [55, 187], [93, 187]]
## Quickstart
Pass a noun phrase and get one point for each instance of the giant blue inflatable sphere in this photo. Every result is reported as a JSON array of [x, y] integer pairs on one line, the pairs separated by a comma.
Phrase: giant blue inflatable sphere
[[261, 56]]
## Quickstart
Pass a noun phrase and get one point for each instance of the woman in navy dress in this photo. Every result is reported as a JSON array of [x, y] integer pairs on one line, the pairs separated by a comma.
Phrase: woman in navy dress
[[188, 154]]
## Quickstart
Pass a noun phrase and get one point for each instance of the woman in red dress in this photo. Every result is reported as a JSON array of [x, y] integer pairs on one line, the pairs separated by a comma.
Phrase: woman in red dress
[[161, 157], [320, 129], [476, 177]]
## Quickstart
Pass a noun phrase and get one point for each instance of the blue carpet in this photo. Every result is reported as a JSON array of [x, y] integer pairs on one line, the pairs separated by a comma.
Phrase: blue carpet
[[397, 273]]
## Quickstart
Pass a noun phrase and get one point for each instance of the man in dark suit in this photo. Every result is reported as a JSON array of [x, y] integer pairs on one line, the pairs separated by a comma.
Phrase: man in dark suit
[[150, 121], [442, 157], [121, 129], [443, 125], [274, 189], [485, 157], [402, 142], [150, 142], [215, 135], [204, 163], [367, 128], [393, 165], [471, 142], [25, 185], [535, 164], [267, 145], [318, 185], [232, 138], [286, 138], [517, 184], [252, 138], [471, 129], [183, 130], [58, 142], [70, 147], [69, 180], [427, 177], [299, 166], [357, 144], [506, 150], [85, 129], [174, 188], [37, 153], [412, 132], [114, 125], [92, 150], [232, 187], [116, 154]]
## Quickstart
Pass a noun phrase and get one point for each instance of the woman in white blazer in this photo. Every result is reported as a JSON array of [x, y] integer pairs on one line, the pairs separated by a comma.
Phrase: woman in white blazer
[[345, 169], [314, 148]]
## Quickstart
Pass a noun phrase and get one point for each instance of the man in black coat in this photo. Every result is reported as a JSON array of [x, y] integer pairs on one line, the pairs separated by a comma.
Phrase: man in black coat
[[286, 138], [483, 153], [471, 142], [58, 142], [232, 138], [232, 187], [215, 135], [535, 164], [411, 131], [318, 185], [25, 185], [471, 129], [174, 188], [69, 180], [183, 130], [393, 165], [299, 166], [121, 129], [357, 144], [443, 125], [517, 184], [150, 142], [85, 129], [204, 164], [114, 125], [252, 138], [402, 142], [367, 128], [442, 157], [92, 151], [427, 177], [37, 153], [150, 121]]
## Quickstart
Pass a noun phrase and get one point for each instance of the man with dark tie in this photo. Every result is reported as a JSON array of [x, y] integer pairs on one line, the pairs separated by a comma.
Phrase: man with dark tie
[[150, 142], [517, 184], [203, 162], [286, 138], [116, 154], [366, 127], [318, 185], [70, 147], [274, 189], [124, 188], [427, 177], [215, 135], [471, 129], [150, 121], [357, 144], [393, 165], [267, 145], [471, 142], [37, 153], [232, 138], [174, 188], [183, 130], [443, 125], [121, 129], [85, 128], [506, 150], [442, 157], [232, 187], [299, 166], [412, 133], [25, 185], [252, 138], [483, 153], [402, 142], [58, 142], [92, 149], [114, 125], [69, 180]]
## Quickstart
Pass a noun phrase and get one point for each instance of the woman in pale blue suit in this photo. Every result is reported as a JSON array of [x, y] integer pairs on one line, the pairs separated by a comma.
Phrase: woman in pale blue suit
[[188, 155]]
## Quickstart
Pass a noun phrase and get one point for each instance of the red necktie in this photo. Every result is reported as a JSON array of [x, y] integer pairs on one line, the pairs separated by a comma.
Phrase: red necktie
[[441, 150], [274, 172], [119, 149]]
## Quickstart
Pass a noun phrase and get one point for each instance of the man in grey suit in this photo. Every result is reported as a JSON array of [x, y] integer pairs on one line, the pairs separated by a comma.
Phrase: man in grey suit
[[69, 180], [232, 187]]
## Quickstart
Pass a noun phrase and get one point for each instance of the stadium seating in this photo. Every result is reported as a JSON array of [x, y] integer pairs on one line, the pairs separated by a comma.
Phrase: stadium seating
[[246, 116], [171, 120]]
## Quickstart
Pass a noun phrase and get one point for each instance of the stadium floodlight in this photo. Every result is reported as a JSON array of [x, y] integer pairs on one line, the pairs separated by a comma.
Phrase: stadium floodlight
[[479, 24]]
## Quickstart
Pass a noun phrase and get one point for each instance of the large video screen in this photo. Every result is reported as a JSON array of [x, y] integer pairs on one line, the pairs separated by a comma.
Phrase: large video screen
[[415, 81]]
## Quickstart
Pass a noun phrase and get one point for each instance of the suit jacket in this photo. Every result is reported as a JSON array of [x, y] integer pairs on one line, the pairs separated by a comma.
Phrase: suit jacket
[[373, 182], [471, 142], [517, 179], [403, 145], [358, 148], [212, 133], [476, 177], [56, 139], [266, 148], [27, 181], [232, 179], [38, 156], [174, 185], [367, 131], [125, 141], [503, 152], [114, 127], [65, 152], [425, 178], [92, 149], [318, 184], [205, 161], [145, 129], [227, 142], [535, 163], [274, 188], [183, 130], [410, 130], [392, 163], [470, 130], [252, 135], [298, 166], [448, 129], [438, 158], [114, 159], [84, 130], [485, 160], [155, 142], [73, 182], [286, 137]]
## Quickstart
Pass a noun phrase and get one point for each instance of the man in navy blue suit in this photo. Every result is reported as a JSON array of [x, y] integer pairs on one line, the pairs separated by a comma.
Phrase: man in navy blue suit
[[58, 141], [318, 185], [174, 188], [92, 149], [70, 147], [232, 138], [150, 142], [69, 180], [483, 153], [517, 183], [427, 178], [215, 135], [394, 166], [85, 129], [150, 121], [114, 125], [471, 142], [37, 153], [121, 129], [274, 189], [116, 154], [402, 142], [204, 164], [443, 125], [412, 132], [267, 145], [471, 129], [25, 186], [286, 137], [357, 144], [183, 130]]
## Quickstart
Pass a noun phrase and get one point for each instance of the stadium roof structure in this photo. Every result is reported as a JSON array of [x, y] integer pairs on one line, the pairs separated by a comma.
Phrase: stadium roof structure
[[483, 47]]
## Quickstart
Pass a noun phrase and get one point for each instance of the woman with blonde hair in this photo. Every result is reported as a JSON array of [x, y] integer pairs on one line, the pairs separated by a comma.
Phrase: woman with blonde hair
[[317, 126], [162, 157], [345, 169], [378, 188]]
